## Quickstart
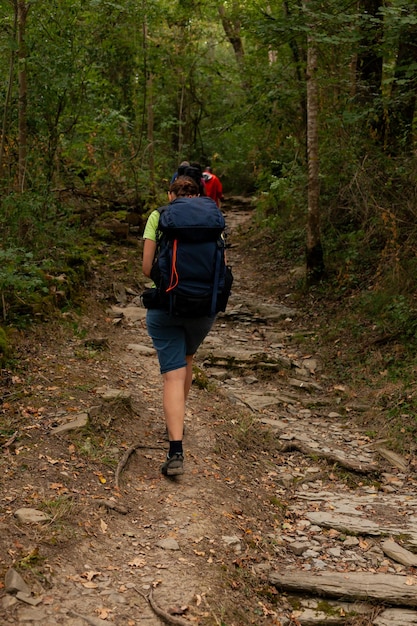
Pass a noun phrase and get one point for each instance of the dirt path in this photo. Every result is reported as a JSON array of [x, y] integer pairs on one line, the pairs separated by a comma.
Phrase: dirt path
[[278, 478]]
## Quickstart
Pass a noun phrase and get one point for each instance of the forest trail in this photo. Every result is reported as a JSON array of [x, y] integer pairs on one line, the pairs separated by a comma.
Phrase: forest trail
[[287, 513]]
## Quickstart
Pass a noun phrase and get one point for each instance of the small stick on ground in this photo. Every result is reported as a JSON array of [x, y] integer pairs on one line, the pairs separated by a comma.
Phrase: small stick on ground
[[114, 506], [166, 617], [123, 461], [11, 440], [92, 621]]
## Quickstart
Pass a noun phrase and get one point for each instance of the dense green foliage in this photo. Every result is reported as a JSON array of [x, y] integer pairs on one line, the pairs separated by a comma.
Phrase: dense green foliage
[[101, 100]]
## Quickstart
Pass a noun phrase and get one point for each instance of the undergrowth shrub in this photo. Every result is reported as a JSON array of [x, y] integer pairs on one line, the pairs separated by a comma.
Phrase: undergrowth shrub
[[41, 254]]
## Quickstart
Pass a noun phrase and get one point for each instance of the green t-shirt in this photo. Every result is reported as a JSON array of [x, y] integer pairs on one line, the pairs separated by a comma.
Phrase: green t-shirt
[[151, 226]]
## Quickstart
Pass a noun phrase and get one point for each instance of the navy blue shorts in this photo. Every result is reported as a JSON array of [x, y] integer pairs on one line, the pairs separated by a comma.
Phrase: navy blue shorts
[[174, 338]]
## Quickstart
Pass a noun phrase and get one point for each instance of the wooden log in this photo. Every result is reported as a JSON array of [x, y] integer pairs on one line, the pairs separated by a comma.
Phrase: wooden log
[[387, 588]]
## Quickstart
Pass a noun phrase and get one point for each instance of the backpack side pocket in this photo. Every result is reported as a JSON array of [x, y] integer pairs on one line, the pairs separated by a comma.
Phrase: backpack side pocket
[[151, 298], [223, 296]]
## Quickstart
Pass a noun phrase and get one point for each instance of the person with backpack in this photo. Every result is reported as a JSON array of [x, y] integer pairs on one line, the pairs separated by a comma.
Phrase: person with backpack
[[180, 171], [183, 253], [192, 170], [214, 188]]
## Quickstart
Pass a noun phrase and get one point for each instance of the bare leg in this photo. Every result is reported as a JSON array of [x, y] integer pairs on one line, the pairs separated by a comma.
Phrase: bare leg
[[177, 385], [189, 375], [174, 402]]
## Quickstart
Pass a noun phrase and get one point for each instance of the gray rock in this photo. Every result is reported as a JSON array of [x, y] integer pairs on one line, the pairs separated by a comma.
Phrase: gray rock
[[80, 421], [399, 554], [336, 552], [13, 582], [109, 394], [350, 542], [168, 544], [232, 542], [131, 313], [303, 384], [7, 602], [139, 348], [31, 516], [28, 599], [298, 547], [31, 616]]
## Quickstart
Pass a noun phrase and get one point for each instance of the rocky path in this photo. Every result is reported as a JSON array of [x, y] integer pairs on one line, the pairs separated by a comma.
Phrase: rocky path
[[287, 513]]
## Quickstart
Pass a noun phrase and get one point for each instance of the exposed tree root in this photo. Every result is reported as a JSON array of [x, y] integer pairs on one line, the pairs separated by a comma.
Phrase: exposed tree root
[[123, 461], [166, 617], [92, 621]]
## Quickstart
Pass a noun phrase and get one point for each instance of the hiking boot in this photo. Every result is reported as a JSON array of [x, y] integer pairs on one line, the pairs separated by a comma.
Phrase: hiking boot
[[174, 465]]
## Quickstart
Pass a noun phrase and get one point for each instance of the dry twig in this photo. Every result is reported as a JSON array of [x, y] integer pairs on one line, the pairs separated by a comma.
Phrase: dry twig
[[123, 461], [166, 617], [10, 440]]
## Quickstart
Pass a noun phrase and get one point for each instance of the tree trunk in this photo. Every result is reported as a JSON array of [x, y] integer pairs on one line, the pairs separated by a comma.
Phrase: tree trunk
[[399, 135], [369, 58], [314, 251], [150, 133], [232, 30], [368, 67], [8, 94], [22, 11], [299, 56]]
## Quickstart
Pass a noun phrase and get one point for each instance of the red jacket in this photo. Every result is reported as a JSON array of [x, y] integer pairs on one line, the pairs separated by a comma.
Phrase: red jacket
[[214, 188]]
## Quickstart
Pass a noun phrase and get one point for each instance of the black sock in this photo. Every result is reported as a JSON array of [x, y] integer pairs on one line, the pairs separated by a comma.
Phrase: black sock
[[175, 447]]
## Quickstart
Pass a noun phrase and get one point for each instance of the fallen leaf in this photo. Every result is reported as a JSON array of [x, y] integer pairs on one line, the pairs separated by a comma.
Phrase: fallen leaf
[[56, 486], [48, 600], [178, 610], [103, 526], [137, 562], [90, 574], [51, 460]]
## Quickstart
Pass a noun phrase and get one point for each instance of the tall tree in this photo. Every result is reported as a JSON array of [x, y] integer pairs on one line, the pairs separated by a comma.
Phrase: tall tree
[[22, 12], [10, 77], [369, 58], [402, 105], [314, 250], [232, 28]]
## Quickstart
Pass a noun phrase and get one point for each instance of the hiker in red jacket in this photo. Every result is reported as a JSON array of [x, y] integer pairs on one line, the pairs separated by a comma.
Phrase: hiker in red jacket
[[214, 188]]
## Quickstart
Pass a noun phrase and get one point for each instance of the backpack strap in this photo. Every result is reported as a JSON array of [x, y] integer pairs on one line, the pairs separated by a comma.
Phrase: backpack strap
[[216, 281], [174, 273]]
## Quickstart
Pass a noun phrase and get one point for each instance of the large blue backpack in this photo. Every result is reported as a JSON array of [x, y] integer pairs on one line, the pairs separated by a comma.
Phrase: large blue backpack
[[190, 272]]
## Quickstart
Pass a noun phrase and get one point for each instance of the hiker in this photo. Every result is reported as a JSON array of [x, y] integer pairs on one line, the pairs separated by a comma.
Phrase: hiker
[[194, 171], [177, 334], [214, 188], [180, 171]]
